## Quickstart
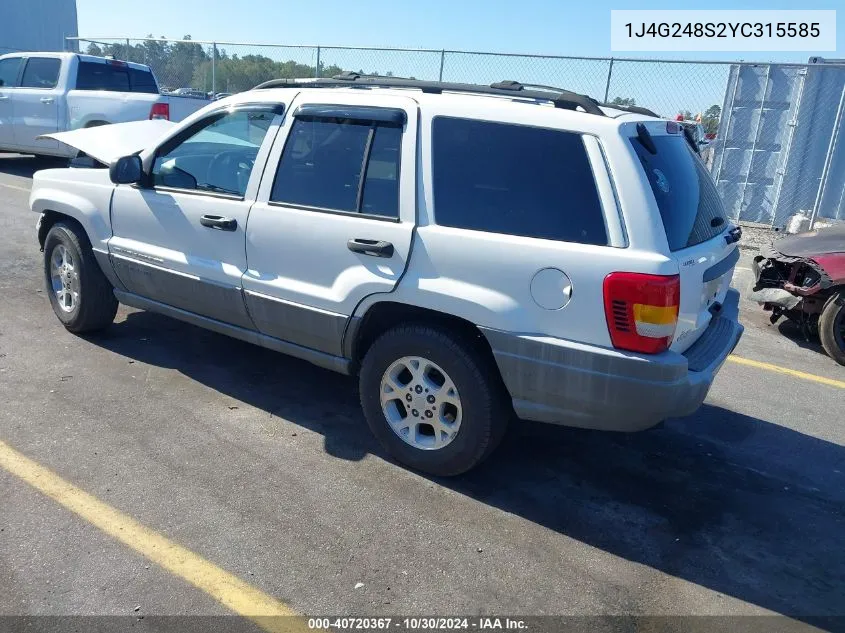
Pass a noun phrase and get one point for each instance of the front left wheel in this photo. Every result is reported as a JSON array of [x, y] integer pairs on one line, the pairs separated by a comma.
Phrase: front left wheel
[[79, 292]]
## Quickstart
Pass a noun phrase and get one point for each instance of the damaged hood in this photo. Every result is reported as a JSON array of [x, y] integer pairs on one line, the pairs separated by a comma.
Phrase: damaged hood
[[812, 243], [107, 143]]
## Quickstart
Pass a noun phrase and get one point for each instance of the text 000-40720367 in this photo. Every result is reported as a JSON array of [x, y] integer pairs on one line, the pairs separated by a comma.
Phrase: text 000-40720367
[[422, 623]]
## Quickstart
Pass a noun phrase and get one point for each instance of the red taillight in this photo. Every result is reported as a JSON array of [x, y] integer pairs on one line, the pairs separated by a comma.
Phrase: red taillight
[[641, 310], [160, 111]]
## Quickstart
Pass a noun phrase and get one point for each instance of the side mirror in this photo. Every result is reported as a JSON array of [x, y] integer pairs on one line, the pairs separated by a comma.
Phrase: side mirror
[[171, 176], [126, 170]]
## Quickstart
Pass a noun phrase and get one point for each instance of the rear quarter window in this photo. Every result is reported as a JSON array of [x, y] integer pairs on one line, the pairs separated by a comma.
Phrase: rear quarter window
[[690, 206], [515, 180]]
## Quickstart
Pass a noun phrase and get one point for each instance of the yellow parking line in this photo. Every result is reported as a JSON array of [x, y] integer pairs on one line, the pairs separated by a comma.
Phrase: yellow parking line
[[3, 184], [227, 589], [789, 372]]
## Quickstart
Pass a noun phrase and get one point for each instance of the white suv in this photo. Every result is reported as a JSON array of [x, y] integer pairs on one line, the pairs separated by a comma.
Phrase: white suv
[[470, 252]]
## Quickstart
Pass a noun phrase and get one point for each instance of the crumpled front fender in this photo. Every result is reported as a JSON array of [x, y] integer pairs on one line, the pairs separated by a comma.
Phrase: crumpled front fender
[[833, 265]]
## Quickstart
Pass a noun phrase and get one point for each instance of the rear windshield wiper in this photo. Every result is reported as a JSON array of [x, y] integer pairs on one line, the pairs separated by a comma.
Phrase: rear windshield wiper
[[645, 139]]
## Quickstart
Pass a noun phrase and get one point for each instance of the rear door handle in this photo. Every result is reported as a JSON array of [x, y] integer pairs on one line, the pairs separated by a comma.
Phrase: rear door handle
[[374, 248], [219, 222], [4, 97], [47, 99]]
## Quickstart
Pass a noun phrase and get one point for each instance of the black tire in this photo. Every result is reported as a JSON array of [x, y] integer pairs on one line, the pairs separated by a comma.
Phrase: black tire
[[95, 305], [486, 409], [832, 327]]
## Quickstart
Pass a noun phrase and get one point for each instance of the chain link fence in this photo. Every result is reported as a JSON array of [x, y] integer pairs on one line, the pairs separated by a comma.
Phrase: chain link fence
[[775, 142], [210, 68]]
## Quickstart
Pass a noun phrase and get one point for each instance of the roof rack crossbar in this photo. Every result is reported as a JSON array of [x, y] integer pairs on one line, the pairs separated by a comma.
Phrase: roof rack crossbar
[[559, 98]]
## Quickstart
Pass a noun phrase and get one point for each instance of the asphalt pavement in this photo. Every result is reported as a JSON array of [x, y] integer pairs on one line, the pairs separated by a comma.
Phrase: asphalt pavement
[[262, 466]]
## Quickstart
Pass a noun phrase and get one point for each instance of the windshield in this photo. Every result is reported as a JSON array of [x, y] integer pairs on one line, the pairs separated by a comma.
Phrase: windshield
[[689, 204]]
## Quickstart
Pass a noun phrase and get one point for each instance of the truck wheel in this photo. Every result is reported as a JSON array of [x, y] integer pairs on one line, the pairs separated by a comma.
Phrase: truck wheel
[[79, 292], [431, 400], [832, 327]]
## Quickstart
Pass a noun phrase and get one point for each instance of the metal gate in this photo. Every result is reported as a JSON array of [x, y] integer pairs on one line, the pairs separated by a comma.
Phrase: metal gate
[[780, 148]]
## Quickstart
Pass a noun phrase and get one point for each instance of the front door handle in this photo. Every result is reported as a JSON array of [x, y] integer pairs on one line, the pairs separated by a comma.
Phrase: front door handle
[[4, 97], [219, 222], [47, 99], [375, 248]]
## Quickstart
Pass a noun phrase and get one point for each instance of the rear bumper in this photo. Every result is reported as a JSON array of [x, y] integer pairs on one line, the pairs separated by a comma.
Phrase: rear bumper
[[563, 382]]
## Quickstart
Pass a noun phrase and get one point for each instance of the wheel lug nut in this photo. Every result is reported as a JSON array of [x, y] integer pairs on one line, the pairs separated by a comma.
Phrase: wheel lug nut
[[430, 399], [428, 414], [408, 397], [418, 389], [415, 413]]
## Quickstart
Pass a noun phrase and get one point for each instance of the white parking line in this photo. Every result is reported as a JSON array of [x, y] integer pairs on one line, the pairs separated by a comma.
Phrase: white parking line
[[2, 184]]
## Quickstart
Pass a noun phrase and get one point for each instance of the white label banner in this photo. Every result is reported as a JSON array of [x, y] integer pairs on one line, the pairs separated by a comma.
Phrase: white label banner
[[723, 30]]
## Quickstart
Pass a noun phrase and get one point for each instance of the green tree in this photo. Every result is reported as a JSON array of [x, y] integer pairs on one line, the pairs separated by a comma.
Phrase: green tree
[[710, 119], [155, 54], [182, 62], [186, 64], [620, 101]]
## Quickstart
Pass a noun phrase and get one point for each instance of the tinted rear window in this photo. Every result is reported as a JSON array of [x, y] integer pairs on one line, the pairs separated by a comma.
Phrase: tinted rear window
[[516, 180], [96, 76], [142, 81], [686, 195]]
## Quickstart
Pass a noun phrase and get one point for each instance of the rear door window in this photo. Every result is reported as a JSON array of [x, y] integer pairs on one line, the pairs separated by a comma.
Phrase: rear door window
[[341, 164], [41, 72], [689, 203], [515, 180]]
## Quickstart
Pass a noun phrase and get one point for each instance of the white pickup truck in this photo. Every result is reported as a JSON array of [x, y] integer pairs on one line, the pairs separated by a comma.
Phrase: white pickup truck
[[45, 93]]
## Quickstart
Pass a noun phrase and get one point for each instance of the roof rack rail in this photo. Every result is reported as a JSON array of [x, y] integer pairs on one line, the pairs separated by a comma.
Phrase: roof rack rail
[[632, 109], [559, 98]]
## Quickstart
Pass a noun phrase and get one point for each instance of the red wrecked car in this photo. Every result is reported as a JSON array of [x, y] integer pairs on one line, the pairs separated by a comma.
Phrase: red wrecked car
[[802, 277]]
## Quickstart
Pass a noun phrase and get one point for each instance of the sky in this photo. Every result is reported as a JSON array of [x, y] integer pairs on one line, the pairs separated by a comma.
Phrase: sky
[[538, 27], [559, 27]]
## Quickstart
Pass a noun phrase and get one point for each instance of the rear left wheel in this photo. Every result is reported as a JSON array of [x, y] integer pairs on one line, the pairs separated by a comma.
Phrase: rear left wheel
[[433, 401]]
